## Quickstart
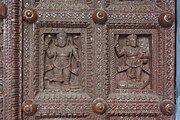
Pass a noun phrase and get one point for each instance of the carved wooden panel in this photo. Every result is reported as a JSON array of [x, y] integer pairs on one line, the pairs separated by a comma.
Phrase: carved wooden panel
[[125, 63], [87, 60]]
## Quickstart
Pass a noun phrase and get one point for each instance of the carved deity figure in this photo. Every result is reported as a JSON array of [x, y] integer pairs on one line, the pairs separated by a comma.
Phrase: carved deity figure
[[61, 54], [136, 62]]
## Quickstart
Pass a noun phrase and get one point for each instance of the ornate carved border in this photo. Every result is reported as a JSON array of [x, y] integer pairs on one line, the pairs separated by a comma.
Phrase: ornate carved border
[[134, 118], [33, 79], [165, 50], [12, 56], [129, 6], [48, 18], [166, 54], [1, 71], [169, 57], [120, 102]]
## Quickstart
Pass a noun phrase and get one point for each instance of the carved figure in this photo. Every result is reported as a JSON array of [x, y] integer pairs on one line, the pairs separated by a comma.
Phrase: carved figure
[[136, 61], [61, 54]]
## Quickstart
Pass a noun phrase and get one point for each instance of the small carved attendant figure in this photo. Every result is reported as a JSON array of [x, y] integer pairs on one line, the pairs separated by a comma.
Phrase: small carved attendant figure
[[61, 55], [135, 60]]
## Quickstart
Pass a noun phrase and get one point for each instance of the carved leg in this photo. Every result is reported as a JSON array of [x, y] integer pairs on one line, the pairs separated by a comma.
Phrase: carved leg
[[131, 73], [138, 74], [58, 75], [67, 76]]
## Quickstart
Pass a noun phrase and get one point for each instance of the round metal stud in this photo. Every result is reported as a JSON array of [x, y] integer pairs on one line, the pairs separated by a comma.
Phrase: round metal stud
[[99, 106], [29, 108], [30, 15], [167, 107], [166, 19], [99, 16]]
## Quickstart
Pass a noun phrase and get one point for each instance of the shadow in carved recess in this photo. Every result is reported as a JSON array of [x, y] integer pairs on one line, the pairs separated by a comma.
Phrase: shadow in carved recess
[[133, 71], [62, 62]]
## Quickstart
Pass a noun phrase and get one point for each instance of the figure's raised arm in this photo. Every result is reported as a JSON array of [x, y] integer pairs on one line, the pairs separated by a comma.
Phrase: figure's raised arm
[[47, 40], [50, 53], [119, 51], [75, 53]]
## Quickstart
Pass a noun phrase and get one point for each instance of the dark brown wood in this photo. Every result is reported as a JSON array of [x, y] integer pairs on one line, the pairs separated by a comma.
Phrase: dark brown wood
[[3, 10], [87, 60]]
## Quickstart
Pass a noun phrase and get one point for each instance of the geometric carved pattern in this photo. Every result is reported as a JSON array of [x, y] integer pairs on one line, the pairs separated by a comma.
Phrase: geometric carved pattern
[[77, 68], [66, 72], [40, 89], [1, 71], [132, 118], [137, 5], [11, 62], [68, 60], [170, 65]]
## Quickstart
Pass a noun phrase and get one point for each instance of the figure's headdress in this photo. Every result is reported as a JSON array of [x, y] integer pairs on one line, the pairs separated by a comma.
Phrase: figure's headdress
[[132, 36], [62, 33]]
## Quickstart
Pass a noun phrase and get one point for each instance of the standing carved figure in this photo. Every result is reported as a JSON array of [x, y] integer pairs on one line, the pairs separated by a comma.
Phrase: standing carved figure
[[135, 60], [61, 54]]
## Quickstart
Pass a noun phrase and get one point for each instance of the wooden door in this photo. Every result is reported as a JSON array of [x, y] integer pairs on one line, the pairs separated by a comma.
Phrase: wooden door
[[89, 60]]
